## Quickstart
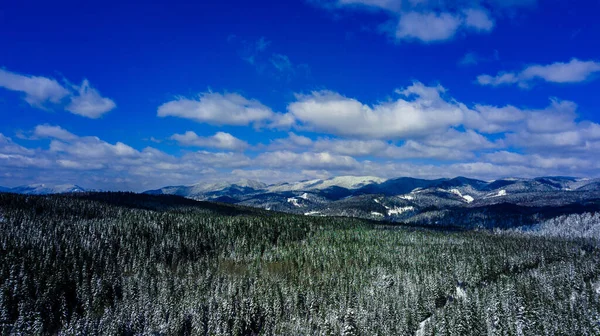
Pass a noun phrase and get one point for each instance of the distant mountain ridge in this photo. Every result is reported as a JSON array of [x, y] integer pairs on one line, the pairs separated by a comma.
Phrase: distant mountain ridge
[[457, 201], [44, 189]]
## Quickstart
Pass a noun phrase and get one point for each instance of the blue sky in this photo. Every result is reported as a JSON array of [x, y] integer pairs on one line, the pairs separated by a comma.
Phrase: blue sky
[[133, 96]]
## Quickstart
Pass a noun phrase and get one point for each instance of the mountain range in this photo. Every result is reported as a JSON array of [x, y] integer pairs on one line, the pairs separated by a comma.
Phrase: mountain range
[[460, 201], [44, 189]]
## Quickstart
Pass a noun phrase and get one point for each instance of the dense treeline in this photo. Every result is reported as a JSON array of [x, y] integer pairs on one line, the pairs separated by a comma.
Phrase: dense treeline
[[125, 264]]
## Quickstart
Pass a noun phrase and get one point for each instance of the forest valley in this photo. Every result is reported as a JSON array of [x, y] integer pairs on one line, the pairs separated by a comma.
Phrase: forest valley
[[131, 264]]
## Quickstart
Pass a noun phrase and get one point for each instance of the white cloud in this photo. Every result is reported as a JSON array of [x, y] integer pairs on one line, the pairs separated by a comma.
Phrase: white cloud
[[89, 103], [217, 109], [92, 148], [543, 161], [427, 27], [572, 72], [426, 20], [419, 111], [39, 91], [467, 141], [436, 27], [220, 140], [478, 19], [501, 79], [558, 116], [55, 132], [323, 160], [450, 145], [7, 146]]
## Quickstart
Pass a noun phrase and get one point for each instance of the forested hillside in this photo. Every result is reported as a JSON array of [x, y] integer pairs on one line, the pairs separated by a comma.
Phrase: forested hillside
[[126, 264]]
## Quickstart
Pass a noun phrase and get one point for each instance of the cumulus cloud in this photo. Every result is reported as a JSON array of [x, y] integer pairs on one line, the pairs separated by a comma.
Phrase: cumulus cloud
[[37, 90], [477, 19], [220, 140], [419, 110], [89, 103], [40, 91], [93, 162], [427, 27], [7, 146], [573, 71], [555, 128], [558, 116], [55, 132], [217, 109], [323, 160], [449, 145], [436, 27], [426, 21]]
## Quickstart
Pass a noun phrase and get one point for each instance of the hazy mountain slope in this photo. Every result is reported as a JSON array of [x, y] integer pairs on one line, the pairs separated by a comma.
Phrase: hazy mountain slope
[[346, 182], [44, 189]]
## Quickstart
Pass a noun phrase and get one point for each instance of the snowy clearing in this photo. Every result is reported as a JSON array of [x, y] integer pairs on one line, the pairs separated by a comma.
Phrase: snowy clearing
[[400, 210], [294, 201], [467, 198]]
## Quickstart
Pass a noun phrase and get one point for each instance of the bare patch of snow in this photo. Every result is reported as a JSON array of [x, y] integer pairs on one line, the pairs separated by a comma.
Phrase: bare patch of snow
[[304, 196], [311, 213], [294, 201], [467, 198], [421, 330], [374, 213], [400, 210], [499, 193], [460, 293], [407, 197]]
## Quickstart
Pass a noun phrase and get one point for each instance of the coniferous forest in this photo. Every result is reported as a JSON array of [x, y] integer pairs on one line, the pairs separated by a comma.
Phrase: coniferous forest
[[127, 264]]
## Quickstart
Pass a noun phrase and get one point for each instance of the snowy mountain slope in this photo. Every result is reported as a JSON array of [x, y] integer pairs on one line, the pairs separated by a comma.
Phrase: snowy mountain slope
[[458, 201], [45, 189], [210, 190], [347, 182], [586, 225]]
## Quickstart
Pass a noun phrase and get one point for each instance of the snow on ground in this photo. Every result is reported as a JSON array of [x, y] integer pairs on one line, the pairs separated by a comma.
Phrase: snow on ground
[[311, 213], [374, 213], [348, 182], [399, 210], [407, 197], [460, 293], [294, 201], [304, 196], [421, 330], [376, 201], [499, 193], [467, 198]]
